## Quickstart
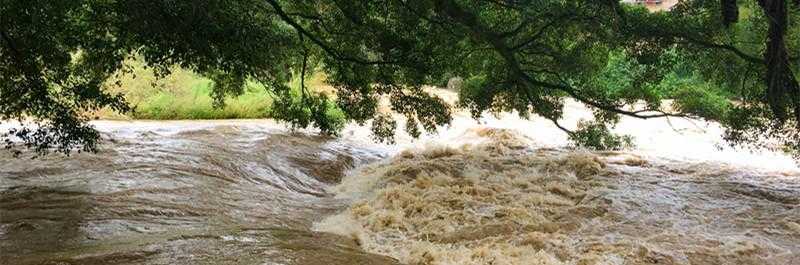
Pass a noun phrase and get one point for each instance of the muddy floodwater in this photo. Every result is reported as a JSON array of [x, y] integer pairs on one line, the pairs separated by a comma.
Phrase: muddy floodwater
[[503, 191], [180, 193]]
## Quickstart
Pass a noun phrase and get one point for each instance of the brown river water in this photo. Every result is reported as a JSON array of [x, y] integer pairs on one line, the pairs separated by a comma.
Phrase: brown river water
[[503, 191]]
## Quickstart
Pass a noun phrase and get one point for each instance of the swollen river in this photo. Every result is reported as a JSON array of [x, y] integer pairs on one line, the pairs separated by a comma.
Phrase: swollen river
[[503, 191]]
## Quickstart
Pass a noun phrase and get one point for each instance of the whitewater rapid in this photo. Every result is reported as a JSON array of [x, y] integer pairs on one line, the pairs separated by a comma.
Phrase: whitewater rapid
[[500, 200], [499, 191]]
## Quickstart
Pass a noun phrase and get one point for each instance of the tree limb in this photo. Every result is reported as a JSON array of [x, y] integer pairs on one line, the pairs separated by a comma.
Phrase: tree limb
[[325, 47], [731, 48], [482, 34]]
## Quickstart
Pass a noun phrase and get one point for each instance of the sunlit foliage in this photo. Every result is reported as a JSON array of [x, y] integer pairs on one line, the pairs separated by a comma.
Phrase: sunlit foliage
[[719, 60]]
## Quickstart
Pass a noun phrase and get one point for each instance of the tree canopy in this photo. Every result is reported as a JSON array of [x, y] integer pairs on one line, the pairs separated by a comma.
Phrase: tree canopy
[[728, 61]]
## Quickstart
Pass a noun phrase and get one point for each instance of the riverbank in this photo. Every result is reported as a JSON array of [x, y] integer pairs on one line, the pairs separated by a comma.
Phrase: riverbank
[[185, 95]]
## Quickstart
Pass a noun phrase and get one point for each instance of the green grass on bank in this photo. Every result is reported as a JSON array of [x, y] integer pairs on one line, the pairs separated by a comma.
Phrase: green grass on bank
[[186, 95], [192, 100]]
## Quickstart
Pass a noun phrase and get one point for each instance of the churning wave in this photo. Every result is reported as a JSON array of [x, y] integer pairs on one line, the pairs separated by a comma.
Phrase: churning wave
[[500, 200], [502, 191]]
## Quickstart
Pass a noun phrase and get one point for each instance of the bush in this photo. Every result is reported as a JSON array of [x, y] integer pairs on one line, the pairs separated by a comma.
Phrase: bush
[[597, 136]]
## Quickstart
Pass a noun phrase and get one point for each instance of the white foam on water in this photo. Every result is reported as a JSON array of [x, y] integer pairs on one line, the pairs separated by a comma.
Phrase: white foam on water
[[503, 190]]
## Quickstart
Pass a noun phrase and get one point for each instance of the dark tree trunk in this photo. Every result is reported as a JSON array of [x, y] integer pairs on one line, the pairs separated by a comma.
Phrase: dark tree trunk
[[783, 91], [730, 11]]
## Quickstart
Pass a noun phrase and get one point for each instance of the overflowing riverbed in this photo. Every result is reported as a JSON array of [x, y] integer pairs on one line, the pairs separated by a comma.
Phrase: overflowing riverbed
[[498, 201], [239, 192], [502, 191]]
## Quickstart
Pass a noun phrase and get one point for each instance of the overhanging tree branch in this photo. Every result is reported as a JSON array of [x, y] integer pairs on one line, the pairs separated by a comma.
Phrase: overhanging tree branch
[[540, 32], [324, 46], [480, 33], [730, 48]]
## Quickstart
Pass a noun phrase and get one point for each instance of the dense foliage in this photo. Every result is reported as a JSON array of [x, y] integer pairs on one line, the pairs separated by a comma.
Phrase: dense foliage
[[726, 61]]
